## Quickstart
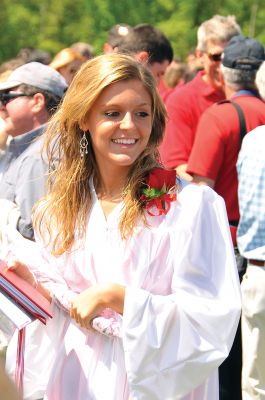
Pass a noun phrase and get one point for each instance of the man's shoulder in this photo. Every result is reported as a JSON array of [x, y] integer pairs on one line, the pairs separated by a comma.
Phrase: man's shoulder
[[224, 107], [253, 109], [250, 103], [218, 110], [30, 158], [218, 120], [34, 149]]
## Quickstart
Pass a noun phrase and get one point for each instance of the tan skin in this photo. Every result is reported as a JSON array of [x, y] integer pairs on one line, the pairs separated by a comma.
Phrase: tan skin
[[158, 69], [3, 135], [3, 140], [120, 125], [211, 67], [22, 114], [181, 172], [68, 71]]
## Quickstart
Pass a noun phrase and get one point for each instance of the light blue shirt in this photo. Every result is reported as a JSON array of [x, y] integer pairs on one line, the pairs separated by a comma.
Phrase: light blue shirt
[[24, 180], [251, 195]]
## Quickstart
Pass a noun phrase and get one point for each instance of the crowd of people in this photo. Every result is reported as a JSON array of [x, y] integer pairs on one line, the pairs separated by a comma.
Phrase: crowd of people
[[132, 196]]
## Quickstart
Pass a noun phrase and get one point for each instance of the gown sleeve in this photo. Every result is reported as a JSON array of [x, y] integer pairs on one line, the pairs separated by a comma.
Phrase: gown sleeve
[[50, 275], [48, 271], [46, 268], [173, 343]]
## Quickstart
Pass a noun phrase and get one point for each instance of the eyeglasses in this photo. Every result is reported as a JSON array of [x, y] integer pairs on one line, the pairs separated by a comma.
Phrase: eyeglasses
[[6, 97], [215, 57]]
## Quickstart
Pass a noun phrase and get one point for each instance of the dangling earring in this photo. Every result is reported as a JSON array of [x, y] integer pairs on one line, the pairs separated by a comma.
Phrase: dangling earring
[[83, 145]]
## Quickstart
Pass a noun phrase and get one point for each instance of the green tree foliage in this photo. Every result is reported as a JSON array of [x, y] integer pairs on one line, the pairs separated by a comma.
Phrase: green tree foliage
[[53, 25]]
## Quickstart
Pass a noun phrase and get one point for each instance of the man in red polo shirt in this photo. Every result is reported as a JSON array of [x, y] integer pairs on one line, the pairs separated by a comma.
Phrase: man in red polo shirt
[[214, 154], [186, 104]]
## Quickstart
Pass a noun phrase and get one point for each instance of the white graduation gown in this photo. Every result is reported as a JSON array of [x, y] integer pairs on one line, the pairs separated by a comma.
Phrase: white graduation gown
[[181, 311]]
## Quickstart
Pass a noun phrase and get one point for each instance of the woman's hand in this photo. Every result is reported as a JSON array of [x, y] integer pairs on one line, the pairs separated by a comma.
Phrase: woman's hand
[[23, 271], [92, 301]]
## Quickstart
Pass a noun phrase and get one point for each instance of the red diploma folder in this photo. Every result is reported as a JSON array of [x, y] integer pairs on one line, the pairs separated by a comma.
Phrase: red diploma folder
[[20, 304], [24, 295]]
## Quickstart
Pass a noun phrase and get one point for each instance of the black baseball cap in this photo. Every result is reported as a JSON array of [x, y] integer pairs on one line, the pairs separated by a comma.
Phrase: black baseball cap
[[243, 53]]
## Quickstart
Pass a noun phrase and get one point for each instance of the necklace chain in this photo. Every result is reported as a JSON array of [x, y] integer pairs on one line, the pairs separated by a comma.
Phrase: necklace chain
[[109, 198]]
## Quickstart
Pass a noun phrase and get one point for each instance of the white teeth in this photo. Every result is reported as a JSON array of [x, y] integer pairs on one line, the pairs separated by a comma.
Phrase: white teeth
[[124, 141]]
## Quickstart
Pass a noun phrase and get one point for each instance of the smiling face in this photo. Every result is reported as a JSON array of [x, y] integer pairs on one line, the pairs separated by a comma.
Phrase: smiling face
[[120, 124]]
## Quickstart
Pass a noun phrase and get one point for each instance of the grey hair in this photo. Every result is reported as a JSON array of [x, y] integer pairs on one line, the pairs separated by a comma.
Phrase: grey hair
[[260, 80], [218, 29], [239, 79]]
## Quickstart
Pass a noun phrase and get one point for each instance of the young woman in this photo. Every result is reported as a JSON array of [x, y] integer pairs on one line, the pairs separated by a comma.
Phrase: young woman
[[145, 272]]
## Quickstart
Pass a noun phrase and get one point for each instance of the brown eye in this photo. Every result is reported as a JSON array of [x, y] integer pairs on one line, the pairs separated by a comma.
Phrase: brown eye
[[112, 114], [142, 114]]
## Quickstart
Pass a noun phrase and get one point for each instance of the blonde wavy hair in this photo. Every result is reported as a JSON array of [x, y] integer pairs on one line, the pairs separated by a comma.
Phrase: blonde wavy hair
[[65, 208]]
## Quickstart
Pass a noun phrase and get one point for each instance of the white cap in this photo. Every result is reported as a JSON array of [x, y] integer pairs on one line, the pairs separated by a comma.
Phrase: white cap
[[38, 75]]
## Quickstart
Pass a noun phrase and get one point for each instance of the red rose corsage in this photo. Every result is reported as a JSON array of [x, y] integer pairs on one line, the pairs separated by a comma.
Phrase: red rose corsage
[[159, 192]]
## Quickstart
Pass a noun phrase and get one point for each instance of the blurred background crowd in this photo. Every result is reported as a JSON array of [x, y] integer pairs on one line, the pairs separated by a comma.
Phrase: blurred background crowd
[[209, 68]]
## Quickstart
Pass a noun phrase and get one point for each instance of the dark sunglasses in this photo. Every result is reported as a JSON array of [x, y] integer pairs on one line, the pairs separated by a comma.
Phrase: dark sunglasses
[[215, 57], [6, 97]]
